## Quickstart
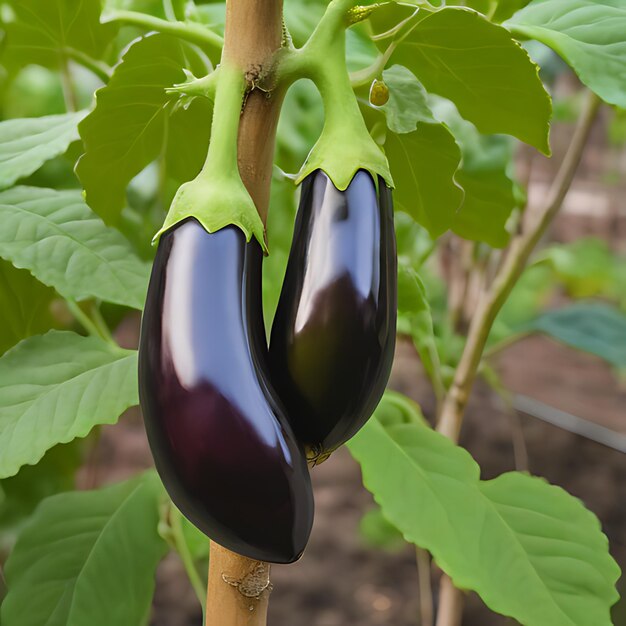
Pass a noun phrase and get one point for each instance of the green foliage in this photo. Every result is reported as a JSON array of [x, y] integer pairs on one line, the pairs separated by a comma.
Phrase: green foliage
[[379, 532], [414, 307], [20, 494], [408, 100], [45, 33], [586, 268], [592, 327], [461, 88], [135, 121], [530, 295], [87, 558], [26, 144], [56, 387], [485, 175], [588, 34], [26, 306], [526, 547], [458, 54], [425, 162], [61, 242]]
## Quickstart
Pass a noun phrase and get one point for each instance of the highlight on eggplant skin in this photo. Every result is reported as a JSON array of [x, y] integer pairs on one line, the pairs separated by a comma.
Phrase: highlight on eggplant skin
[[221, 444], [333, 336]]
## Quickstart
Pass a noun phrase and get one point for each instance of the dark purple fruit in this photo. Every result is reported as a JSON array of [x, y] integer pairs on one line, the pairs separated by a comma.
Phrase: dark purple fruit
[[333, 336], [221, 445]]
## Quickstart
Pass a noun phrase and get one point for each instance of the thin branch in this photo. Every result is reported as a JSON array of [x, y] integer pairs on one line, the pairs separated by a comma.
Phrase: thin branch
[[368, 74], [83, 318], [98, 68], [182, 548], [427, 613], [69, 92], [520, 250], [451, 418], [189, 31], [450, 604]]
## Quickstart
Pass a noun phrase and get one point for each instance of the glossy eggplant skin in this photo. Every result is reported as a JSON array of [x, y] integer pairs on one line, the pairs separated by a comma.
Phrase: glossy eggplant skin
[[220, 441], [333, 335]]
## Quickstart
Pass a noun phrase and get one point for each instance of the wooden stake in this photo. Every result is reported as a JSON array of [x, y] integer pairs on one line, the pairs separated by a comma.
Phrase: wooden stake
[[239, 588], [253, 33]]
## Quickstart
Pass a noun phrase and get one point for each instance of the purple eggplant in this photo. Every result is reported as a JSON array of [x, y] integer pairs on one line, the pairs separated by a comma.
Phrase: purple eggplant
[[220, 441], [333, 335]]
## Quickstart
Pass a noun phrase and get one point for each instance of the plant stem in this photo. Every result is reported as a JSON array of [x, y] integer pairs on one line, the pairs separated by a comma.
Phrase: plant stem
[[178, 537], [425, 588], [69, 93], [98, 68], [368, 74], [189, 31], [253, 34], [83, 318], [489, 305], [520, 250], [100, 323], [450, 609]]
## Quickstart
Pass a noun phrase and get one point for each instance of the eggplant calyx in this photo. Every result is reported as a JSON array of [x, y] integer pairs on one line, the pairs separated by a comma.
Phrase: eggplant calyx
[[216, 201], [217, 197]]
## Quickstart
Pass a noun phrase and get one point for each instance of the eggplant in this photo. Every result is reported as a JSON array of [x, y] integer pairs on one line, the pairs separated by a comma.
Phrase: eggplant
[[221, 443], [333, 336]]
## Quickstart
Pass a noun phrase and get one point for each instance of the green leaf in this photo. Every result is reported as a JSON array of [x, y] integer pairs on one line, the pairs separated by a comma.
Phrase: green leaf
[[411, 292], [414, 307], [26, 144], [56, 387], [506, 8], [490, 193], [25, 309], [586, 267], [131, 122], [531, 294], [61, 242], [151, 7], [458, 54], [379, 532], [424, 163], [408, 104], [592, 327], [20, 494], [530, 550], [44, 30], [87, 558], [588, 34]]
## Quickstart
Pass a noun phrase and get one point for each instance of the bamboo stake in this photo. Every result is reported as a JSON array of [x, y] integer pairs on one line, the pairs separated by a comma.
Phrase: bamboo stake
[[238, 589]]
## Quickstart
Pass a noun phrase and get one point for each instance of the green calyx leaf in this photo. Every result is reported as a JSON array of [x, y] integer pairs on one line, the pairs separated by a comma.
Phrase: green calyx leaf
[[345, 145], [217, 197], [341, 153], [216, 201]]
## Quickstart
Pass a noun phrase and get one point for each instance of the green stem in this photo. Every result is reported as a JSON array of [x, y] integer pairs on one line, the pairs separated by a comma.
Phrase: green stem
[[100, 323], [189, 31], [505, 343], [222, 154], [83, 319], [519, 251], [180, 544], [323, 60], [98, 68], [174, 10], [368, 74], [71, 101]]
